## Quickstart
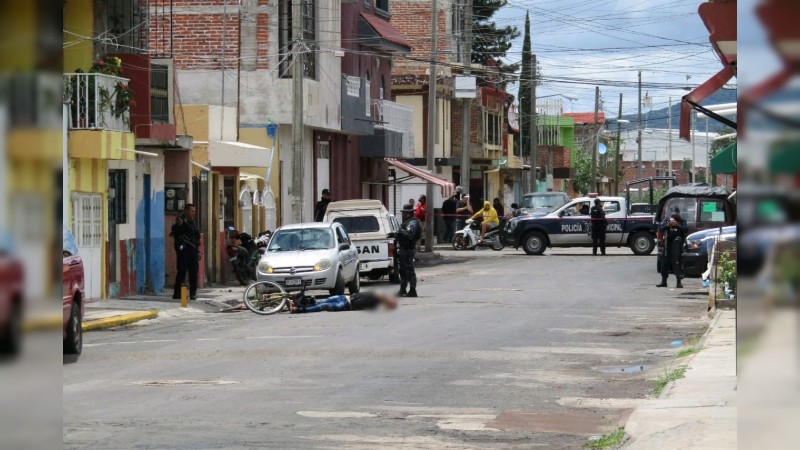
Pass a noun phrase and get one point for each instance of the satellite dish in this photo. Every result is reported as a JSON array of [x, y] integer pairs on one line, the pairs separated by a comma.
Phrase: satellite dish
[[601, 148]]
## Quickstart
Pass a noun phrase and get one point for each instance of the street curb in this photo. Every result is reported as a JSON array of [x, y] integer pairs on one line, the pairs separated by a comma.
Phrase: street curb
[[120, 320], [53, 322]]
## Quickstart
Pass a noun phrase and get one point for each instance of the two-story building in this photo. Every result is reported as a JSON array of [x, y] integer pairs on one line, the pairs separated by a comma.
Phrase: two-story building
[[122, 144]]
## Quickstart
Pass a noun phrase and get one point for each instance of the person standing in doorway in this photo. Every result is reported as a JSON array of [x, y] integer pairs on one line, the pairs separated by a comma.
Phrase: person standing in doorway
[[407, 237], [498, 206], [322, 206], [599, 224], [449, 218], [186, 237], [675, 229]]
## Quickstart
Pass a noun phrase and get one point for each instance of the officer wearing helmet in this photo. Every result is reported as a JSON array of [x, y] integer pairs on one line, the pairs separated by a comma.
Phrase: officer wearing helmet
[[674, 229], [407, 237]]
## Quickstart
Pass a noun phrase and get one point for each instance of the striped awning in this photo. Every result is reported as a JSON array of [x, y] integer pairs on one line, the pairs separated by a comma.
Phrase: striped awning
[[448, 188]]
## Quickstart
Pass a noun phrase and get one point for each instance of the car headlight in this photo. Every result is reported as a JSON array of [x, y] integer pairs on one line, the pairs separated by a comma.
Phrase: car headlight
[[264, 267], [323, 264]]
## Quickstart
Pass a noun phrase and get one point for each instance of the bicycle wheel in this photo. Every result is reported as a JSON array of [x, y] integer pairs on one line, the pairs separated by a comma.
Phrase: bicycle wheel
[[265, 298]]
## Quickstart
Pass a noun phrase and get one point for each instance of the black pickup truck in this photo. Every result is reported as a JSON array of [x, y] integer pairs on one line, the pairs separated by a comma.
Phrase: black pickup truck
[[568, 226]]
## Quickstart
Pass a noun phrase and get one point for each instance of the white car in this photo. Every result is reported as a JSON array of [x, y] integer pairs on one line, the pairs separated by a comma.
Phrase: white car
[[315, 255]]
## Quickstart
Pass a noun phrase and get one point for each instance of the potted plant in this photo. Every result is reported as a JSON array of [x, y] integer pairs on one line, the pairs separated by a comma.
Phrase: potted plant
[[117, 100]]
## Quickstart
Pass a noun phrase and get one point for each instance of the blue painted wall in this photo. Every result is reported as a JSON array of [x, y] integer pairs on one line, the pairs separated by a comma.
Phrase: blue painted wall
[[156, 248]]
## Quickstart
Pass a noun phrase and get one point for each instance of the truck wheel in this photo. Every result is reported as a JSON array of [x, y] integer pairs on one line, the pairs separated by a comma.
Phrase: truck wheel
[[642, 243], [534, 243], [73, 343]]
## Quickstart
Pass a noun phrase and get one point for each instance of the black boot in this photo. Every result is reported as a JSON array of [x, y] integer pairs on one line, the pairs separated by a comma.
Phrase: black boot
[[663, 284], [679, 285], [412, 293], [402, 292]]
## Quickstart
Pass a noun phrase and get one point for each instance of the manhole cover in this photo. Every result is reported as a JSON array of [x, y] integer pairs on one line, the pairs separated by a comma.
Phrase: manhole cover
[[621, 369], [183, 383]]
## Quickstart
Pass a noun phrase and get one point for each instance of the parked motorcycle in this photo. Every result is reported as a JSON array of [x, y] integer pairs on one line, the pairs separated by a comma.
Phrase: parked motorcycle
[[244, 258], [468, 237]]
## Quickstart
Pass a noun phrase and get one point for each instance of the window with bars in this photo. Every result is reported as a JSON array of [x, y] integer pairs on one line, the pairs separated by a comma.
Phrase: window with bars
[[118, 185], [286, 37], [493, 129], [159, 93], [87, 219]]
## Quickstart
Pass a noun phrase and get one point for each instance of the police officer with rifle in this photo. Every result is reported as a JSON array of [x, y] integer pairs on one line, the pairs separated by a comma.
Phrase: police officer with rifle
[[407, 237], [674, 229]]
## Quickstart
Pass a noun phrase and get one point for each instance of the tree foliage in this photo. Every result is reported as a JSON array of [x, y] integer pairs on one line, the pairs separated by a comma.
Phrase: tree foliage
[[583, 172], [490, 41]]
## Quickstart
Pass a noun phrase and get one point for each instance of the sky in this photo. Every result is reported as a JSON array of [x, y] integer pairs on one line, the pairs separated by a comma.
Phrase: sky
[[607, 41]]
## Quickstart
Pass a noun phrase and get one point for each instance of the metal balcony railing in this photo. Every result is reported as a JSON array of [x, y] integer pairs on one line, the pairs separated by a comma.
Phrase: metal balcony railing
[[392, 116], [92, 102]]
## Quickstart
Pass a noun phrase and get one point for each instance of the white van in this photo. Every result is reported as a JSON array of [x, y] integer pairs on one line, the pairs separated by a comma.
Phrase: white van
[[371, 228]]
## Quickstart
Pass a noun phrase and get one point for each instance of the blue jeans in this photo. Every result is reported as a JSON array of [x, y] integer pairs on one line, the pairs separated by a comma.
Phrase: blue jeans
[[335, 303]]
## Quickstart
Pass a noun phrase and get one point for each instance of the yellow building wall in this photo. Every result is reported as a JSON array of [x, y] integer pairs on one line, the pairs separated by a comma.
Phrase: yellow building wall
[[192, 120], [78, 20], [101, 144], [21, 28], [415, 102]]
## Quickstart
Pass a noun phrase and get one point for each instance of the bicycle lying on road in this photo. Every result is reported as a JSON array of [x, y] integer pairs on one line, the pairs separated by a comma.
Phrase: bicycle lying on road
[[267, 297]]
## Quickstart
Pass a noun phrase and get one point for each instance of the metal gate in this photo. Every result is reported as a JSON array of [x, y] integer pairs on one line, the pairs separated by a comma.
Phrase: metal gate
[[87, 226]]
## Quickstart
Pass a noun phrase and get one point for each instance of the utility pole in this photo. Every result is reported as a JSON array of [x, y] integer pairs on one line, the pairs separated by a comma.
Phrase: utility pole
[[669, 125], [431, 129], [596, 137], [534, 135], [466, 119], [639, 133], [693, 123], [619, 148], [297, 112], [710, 178]]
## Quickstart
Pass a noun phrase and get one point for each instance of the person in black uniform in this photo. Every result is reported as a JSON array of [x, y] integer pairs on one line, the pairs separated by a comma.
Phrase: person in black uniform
[[449, 218], [186, 238], [407, 236], [674, 229], [599, 225], [322, 206]]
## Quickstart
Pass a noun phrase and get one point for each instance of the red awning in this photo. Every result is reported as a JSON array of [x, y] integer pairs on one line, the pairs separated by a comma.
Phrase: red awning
[[719, 17], [448, 188], [699, 94]]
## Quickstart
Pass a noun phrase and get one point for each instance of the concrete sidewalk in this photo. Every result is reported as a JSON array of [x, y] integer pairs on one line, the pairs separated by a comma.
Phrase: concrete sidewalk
[[110, 313], [698, 411]]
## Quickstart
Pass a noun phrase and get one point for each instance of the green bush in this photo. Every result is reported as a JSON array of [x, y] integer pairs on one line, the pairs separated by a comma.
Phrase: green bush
[[726, 270]]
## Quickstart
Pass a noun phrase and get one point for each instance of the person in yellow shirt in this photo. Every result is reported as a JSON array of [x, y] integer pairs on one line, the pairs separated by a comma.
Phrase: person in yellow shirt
[[490, 219]]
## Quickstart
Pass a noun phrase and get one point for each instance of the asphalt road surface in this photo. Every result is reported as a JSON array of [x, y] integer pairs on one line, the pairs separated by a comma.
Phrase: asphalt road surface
[[502, 350]]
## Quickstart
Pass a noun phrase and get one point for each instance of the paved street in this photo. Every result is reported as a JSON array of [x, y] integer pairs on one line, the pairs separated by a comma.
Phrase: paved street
[[502, 350]]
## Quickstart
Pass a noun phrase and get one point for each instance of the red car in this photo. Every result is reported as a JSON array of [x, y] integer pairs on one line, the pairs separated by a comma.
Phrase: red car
[[11, 304], [73, 294]]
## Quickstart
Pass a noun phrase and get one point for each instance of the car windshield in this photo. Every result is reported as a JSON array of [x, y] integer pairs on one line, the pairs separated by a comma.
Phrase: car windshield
[[542, 201], [70, 247], [359, 224], [301, 239]]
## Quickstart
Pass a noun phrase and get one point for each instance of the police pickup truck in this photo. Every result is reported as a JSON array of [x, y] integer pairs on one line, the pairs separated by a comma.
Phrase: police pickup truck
[[569, 226]]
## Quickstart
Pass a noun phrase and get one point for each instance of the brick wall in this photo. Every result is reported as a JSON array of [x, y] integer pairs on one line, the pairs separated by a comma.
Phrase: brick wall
[[197, 27], [413, 19]]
